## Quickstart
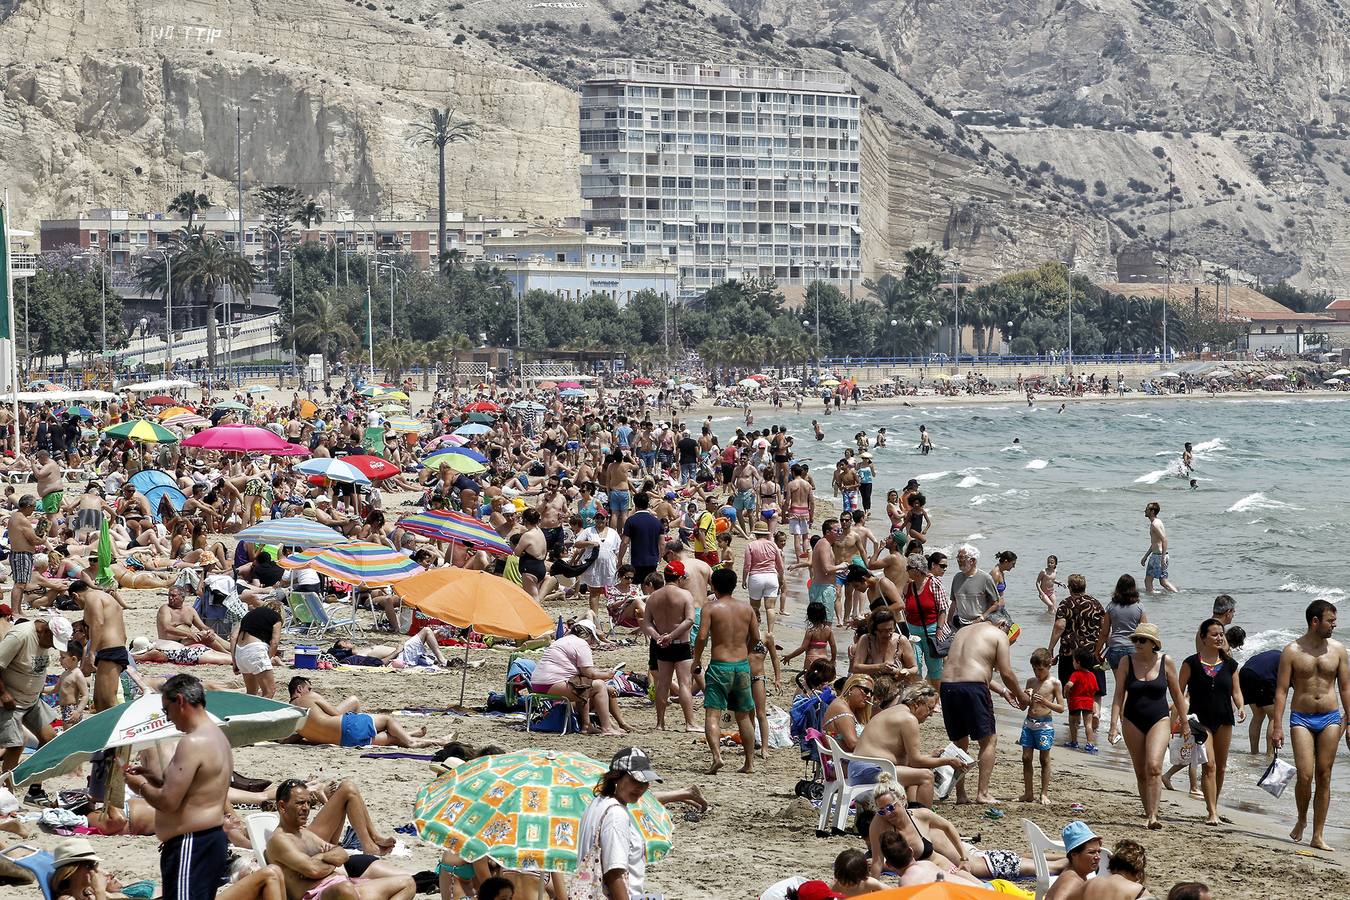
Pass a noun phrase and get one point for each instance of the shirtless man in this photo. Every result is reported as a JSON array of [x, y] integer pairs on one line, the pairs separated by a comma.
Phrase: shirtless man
[[90, 513], [1315, 667], [825, 569], [894, 568], [177, 622], [23, 543], [667, 620], [1155, 561], [313, 868], [978, 650], [189, 796], [344, 725], [699, 573], [552, 508], [852, 550], [744, 482], [106, 656], [801, 504], [730, 627], [893, 734], [49, 486]]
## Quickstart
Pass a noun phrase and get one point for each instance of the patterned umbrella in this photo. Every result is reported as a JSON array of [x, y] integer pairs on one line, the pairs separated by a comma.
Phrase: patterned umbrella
[[453, 440], [296, 531], [185, 420], [407, 425], [393, 408], [245, 719], [359, 562], [372, 466], [82, 411], [141, 430], [333, 469], [455, 451], [257, 389], [524, 810], [442, 525], [462, 464], [377, 390]]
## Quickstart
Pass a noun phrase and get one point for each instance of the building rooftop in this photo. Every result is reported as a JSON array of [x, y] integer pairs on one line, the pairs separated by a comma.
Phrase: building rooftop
[[1339, 303], [721, 75], [1242, 301]]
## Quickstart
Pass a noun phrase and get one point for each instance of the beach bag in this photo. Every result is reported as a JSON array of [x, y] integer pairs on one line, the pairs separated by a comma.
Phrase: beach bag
[[1276, 777], [589, 881], [941, 644], [1184, 752], [780, 728]]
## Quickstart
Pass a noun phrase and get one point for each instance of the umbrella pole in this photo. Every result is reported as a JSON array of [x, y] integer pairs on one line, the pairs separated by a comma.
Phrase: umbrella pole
[[464, 669]]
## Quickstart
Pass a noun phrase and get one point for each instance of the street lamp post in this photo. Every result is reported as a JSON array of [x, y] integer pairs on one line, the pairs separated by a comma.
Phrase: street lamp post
[[294, 363], [168, 314], [956, 298], [145, 323], [393, 282]]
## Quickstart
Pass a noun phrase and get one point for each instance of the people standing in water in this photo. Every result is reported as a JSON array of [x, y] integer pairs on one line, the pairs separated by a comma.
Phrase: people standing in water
[[1156, 560], [1046, 583], [1315, 667], [1187, 459], [925, 440]]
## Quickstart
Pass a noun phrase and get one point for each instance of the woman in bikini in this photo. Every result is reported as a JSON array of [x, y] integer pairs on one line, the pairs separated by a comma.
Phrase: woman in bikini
[[882, 650], [769, 494], [846, 715], [1004, 562]]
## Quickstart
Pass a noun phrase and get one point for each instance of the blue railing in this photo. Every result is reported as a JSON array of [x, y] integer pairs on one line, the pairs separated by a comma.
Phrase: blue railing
[[1045, 359]]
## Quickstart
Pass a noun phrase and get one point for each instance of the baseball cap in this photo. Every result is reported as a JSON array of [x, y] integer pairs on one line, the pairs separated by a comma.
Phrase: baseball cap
[[601, 512], [635, 762], [912, 483], [1075, 835], [816, 890], [61, 631], [674, 569], [916, 561]]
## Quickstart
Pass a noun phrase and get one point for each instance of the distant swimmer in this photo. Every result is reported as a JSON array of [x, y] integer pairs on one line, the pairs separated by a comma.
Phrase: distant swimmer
[[925, 440], [1155, 560], [1195, 485], [881, 437], [1187, 458], [820, 432], [1031, 400], [1061, 406]]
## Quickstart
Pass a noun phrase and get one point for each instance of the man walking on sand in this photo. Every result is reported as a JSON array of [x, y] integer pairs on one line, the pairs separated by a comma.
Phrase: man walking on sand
[[1316, 668], [824, 584], [667, 620], [978, 650], [107, 651], [23, 543], [801, 502], [189, 796], [1155, 561], [730, 626], [49, 487]]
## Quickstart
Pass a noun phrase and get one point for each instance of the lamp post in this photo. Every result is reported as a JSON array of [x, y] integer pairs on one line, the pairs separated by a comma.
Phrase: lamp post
[[168, 314], [393, 283], [956, 299], [277, 235], [145, 323]]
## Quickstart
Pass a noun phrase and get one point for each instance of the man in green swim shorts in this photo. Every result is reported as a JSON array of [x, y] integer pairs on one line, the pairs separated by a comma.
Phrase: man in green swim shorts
[[49, 487], [730, 627]]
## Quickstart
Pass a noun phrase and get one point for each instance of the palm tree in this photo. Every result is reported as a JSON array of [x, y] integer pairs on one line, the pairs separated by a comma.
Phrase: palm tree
[[422, 357], [440, 131], [189, 203], [452, 261], [309, 213], [395, 355], [322, 323], [206, 268]]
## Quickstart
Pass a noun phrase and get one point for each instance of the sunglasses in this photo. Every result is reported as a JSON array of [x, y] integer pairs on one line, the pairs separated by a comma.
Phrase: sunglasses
[[867, 691], [1140, 640], [887, 810]]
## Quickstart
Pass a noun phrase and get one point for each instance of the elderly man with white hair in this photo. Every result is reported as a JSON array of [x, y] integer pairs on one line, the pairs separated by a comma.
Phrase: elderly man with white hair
[[975, 597]]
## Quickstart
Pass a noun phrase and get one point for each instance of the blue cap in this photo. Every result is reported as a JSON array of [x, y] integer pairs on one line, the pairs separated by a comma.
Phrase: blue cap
[[1075, 835]]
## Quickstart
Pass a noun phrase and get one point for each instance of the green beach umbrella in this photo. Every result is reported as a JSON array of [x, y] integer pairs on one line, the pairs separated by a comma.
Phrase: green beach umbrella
[[524, 810], [232, 405], [245, 719], [482, 418], [141, 430]]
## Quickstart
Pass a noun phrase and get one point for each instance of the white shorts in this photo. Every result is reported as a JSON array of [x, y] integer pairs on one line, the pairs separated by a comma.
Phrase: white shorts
[[252, 659], [799, 526], [762, 585]]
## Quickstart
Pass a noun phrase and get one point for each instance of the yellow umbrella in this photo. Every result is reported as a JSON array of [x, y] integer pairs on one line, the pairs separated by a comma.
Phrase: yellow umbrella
[[830, 382], [395, 395], [308, 409], [942, 376], [490, 604]]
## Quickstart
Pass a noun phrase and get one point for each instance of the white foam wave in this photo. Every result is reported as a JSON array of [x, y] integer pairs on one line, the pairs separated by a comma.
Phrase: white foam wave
[[982, 499], [1152, 477], [1294, 585], [975, 537], [1214, 445], [1265, 640], [1037, 464], [926, 477], [971, 481], [1259, 500], [1013, 448]]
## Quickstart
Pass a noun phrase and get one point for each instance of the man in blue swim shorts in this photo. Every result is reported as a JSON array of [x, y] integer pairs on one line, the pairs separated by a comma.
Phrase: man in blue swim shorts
[[1316, 667], [826, 572], [344, 725]]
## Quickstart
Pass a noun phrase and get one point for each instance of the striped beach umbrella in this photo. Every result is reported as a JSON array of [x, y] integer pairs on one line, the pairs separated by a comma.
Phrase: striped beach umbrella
[[141, 430], [468, 452], [524, 810], [186, 420], [232, 405], [407, 425], [377, 390], [452, 440], [457, 528], [333, 469], [169, 412], [245, 719], [294, 531], [358, 562], [82, 411], [464, 465]]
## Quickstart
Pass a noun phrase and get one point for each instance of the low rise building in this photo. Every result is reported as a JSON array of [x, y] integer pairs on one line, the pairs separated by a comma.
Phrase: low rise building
[[572, 265]]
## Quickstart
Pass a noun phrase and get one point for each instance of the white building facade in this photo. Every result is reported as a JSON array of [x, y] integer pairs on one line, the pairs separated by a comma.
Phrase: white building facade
[[725, 171]]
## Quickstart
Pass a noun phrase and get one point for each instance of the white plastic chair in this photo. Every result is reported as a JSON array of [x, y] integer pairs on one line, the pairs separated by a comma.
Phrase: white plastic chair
[[260, 826], [844, 793], [1041, 845]]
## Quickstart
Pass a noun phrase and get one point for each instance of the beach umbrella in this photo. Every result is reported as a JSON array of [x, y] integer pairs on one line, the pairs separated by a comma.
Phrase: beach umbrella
[[294, 531], [407, 425], [790, 380], [258, 389], [548, 385], [483, 406], [830, 382], [170, 411], [453, 440], [82, 411], [688, 386], [760, 377], [937, 376], [524, 810], [571, 393], [376, 390], [393, 408], [1332, 381], [482, 418], [333, 469], [38, 384], [394, 395], [357, 562], [141, 430], [185, 420], [244, 718], [471, 429], [160, 400], [642, 382], [242, 439], [1340, 373], [564, 385], [1167, 375], [464, 465], [749, 384], [529, 406], [455, 528], [233, 405], [457, 451], [373, 467], [488, 603]]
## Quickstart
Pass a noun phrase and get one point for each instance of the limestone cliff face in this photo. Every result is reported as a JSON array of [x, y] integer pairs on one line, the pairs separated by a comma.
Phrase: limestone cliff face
[[107, 103]]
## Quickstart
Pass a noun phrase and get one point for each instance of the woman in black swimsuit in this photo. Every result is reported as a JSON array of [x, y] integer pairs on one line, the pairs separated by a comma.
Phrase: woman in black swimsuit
[[1212, 688], [1143, 681]]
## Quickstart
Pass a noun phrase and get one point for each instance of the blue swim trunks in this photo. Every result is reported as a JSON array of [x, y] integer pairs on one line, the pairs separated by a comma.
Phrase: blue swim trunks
[[358, 729], [1157, 566], [1038, 733], [693, 632], [825, 593]]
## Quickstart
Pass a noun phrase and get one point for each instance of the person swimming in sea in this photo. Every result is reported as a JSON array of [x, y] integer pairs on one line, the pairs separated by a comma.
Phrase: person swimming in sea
[[1195, 485], [1187, 458]]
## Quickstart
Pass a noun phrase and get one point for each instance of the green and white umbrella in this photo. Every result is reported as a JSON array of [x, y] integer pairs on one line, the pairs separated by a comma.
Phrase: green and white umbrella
[[245, 719]]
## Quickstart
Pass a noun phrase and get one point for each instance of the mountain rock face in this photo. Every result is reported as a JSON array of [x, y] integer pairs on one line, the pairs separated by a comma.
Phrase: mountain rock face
[[1004, 133]]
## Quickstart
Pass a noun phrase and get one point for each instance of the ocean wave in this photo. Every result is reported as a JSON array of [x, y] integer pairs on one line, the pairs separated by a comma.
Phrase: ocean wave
[[926, 477], [1214, 445], [971, 481], [1259, 500], [1294, 585], [982, 499], [975, 537], [1037, 464], [1174, 470], [1013, 448], [1262, 641]]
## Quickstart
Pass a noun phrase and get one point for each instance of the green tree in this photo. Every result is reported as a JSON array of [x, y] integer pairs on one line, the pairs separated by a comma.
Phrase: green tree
[[440, 131], [189, 203], [395, 355], [309, 213], [322, 326], [280, 205]]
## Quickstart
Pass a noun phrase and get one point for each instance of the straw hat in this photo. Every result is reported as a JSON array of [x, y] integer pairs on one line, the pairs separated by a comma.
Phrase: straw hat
[[1148, 631], [74, 850], [761, 528]]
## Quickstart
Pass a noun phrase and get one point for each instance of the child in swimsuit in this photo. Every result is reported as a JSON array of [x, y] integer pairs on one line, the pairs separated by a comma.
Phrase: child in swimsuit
[[818, 641], [71, 688]]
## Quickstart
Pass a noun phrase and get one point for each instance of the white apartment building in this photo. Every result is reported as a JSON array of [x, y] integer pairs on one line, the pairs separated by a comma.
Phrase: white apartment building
[[725, 171]]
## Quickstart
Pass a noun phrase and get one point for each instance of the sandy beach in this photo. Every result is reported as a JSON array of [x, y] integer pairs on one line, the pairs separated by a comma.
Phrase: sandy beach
[[757, 831]]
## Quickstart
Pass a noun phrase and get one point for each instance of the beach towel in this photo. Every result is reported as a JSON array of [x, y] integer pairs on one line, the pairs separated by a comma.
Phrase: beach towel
[[104, 576]]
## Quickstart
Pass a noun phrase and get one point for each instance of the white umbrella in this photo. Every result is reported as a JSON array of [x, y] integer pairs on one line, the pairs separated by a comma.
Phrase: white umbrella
[[1167, 375], [333, 469], [1340, 373], [790, 380], [1332, 381], [749, 384], [1276, 377]]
